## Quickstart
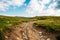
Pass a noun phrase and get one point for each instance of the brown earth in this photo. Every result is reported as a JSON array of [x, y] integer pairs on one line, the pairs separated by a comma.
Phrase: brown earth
[[26, 31]]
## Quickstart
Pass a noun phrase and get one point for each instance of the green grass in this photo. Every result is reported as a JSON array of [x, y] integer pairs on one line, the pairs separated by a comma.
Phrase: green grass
[[50, 24], [45, 21], [7, 22]]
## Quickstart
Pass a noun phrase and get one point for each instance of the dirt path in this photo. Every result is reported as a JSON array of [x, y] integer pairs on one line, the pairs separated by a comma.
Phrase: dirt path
[[26, 31]]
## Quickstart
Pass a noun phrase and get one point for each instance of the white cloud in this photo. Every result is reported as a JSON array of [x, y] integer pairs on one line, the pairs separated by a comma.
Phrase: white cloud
[[57, 13], [5, 4], [45, 1], [16, 2], [36, 8]]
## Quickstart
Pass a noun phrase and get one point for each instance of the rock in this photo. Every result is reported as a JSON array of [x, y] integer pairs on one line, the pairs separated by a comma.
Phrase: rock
[[6, 37], [48, 38]]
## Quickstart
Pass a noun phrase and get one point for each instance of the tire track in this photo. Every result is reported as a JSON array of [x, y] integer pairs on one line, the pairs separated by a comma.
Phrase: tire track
[[24, 32]]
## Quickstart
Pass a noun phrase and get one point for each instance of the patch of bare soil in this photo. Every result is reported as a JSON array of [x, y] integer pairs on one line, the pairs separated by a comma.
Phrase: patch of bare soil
[[26, 31]]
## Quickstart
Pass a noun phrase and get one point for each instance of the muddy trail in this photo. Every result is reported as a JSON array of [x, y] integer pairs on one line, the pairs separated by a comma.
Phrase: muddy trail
[[26, 31]]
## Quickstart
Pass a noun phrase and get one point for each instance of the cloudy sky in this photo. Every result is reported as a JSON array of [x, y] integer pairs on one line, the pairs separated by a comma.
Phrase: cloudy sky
[[30, 8]]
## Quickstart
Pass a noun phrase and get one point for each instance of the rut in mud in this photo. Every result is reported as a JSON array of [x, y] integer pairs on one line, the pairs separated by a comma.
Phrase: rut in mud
[[26, 31]]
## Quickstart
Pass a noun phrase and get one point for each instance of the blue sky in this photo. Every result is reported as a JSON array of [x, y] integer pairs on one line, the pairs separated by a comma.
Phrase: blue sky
[[29, 8]]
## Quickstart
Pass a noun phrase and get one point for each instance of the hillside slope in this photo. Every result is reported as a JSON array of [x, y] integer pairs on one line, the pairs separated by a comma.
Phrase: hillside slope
[[23, 28]]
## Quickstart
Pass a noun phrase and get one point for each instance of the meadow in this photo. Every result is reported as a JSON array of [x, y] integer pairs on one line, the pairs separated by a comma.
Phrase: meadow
[[7, 22], [50, 23]]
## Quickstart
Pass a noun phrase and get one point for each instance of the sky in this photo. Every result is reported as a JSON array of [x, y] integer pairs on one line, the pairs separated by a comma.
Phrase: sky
[[30, 8]]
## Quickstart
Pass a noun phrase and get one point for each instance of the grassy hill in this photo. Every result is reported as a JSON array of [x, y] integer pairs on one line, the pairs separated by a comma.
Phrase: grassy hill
[[7, 22], [50, 23]]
